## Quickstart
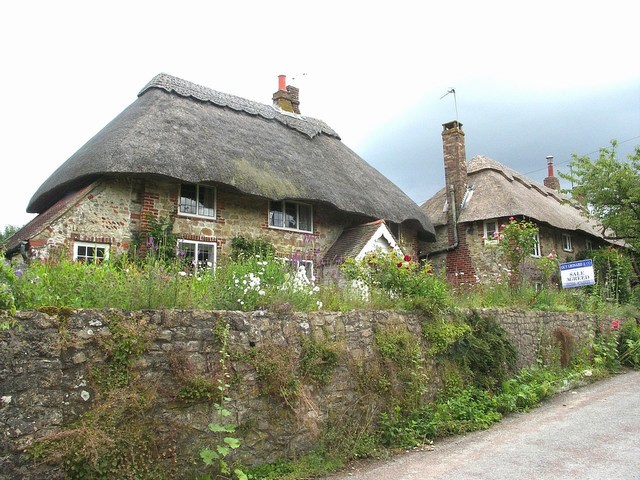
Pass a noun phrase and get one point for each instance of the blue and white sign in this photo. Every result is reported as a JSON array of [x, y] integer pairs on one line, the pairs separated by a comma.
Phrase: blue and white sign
[[577, 274]]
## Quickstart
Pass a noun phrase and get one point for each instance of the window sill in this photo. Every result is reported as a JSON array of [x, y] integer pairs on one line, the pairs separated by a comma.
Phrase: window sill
[[193, 215], [291, 229]]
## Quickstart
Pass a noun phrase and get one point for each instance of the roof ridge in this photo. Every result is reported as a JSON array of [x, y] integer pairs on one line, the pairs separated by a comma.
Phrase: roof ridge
[[307, 125]]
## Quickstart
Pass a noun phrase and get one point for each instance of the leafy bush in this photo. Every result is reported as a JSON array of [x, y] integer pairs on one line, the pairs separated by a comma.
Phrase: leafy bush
[[629, 344], [486, 352], [400, 277]]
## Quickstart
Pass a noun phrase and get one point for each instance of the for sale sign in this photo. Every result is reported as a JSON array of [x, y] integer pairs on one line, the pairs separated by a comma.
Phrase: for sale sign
[[577, 274]]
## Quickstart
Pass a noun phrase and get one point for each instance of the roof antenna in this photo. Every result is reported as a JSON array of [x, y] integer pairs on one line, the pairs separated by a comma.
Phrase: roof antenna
[[455, 101]]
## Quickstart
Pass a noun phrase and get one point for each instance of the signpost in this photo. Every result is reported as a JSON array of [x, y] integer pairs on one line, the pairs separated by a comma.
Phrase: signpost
[[577, 274]]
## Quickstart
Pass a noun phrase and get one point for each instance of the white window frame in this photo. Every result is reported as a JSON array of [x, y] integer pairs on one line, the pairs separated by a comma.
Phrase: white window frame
[[94, 245], [198, 186], [490, 239], [537, 252], [567, 244], [588, 244], [283, 205], [197, 244]]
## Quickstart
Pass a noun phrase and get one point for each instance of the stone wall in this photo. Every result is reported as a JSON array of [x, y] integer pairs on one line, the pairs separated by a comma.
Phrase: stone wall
[[48, 374]]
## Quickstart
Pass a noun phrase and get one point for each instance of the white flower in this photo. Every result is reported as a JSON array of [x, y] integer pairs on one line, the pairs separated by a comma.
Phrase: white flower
[[261, 292], [319, 304], [182, 273]]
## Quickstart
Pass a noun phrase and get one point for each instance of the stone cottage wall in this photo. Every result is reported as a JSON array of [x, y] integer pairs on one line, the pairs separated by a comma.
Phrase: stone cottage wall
[[108, 213], [45, 379], [115, 211], [486, 257]]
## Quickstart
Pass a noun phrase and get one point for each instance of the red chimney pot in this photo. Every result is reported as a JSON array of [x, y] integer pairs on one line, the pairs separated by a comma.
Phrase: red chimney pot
[[282, 82]]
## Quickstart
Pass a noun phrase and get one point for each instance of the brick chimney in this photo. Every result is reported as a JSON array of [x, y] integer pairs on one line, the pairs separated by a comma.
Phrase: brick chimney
[[287, 97], [455, 160], [460, 268], [551, 181]]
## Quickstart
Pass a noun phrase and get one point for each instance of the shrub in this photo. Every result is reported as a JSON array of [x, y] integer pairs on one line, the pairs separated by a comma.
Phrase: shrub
[[486, 352], [400, 277]]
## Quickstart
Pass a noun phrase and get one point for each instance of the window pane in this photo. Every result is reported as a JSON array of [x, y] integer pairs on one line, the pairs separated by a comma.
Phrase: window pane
[[188, 199], [291, 215], [206, 256], [304, 217], [206, 201], [492, 227], [275, 214], [536, 247]]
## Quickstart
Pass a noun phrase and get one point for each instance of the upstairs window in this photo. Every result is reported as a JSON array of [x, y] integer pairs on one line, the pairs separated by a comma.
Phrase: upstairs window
[[490, 228], [566, 242], [588, 244], [198, 200], [291, 216], [90, 252], [536, 252]]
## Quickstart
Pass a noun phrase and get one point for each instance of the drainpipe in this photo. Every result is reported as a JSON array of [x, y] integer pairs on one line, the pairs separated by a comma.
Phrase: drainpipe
[[454, 214]]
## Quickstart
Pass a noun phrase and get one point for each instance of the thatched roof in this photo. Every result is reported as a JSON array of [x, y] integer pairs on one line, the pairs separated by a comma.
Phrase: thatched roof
[[194, 134], [500, 192]]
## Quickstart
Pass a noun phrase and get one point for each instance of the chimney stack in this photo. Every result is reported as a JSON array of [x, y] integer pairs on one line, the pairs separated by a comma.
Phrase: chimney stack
[[455, 161], [551, 181], [287, 97], [459, 265]]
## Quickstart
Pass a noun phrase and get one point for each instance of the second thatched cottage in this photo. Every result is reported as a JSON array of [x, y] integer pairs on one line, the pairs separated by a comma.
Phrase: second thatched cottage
[[481, 195], [217, 166]]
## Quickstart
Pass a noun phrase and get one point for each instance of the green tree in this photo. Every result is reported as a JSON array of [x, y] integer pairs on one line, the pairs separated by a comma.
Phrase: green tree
[[7, 232], [610, 189]]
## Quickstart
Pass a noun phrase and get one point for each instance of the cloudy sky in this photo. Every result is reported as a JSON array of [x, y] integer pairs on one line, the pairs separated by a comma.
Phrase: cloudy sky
[[531, 78]]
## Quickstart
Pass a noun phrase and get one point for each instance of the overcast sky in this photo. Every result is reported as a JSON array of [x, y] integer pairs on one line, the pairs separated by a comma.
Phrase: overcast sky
[[531, 78]]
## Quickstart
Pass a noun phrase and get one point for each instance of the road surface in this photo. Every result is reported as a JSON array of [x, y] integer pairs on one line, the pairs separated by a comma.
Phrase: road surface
[[588, 433]]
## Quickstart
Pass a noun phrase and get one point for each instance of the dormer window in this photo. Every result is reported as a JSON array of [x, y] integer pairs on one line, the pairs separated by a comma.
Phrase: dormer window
[[197, 200]]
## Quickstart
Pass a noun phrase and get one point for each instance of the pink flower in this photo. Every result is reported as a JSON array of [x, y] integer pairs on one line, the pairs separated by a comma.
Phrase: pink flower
[[496, 234], [615, 325]]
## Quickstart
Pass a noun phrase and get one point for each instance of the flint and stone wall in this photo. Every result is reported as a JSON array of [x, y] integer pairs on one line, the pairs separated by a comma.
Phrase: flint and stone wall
[[45, 381], [115, 211]]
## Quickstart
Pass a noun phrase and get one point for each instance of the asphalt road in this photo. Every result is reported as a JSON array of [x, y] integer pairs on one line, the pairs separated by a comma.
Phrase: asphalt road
[[588, 433]]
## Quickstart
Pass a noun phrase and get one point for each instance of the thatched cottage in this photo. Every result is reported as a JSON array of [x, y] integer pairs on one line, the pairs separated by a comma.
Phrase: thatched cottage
[[216, 166], [482, 194]]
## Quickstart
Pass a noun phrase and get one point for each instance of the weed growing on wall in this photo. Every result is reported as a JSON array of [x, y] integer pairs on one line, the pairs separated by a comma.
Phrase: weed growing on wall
[[401, 370], [216, 455], [318, 359], [486, 352], [128, 339], [118, 437], [8, 277]]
